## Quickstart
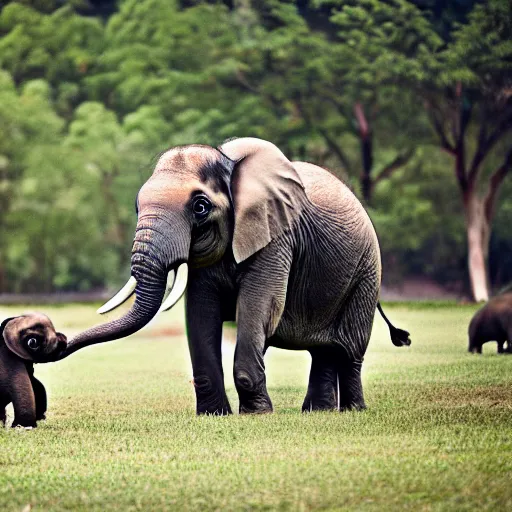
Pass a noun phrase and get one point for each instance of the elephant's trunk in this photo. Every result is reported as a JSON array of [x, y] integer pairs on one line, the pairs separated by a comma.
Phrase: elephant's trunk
[[153, 256]]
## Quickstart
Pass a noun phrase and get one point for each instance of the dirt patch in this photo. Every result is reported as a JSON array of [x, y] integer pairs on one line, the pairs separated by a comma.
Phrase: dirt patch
[[167, 331]]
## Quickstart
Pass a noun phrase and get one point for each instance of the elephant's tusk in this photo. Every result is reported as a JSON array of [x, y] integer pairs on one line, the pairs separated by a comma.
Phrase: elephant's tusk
[[171, 277], [178, 288], [122, 295]]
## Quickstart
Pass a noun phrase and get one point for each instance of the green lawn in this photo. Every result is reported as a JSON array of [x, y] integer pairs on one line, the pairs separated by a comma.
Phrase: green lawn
[[122, 434]]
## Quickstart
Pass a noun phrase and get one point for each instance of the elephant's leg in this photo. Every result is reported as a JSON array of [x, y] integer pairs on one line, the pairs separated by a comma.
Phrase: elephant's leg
[[204, 329], [261, 301], [355, 330], [350, 385], [322, 392], [3, 416], [249, 373], [41, 400], [500, 347]]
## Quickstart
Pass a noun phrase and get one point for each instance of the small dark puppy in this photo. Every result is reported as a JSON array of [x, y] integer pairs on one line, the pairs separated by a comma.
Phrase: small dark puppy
[[492, 323], [25, 340]]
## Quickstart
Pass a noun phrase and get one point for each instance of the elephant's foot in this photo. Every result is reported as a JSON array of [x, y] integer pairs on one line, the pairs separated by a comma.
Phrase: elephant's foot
[[359, 406], [327, 401], [210, 399], [214, 410], [322, 392], [257, 405], [253, 395], [351, 387], [216, 406]]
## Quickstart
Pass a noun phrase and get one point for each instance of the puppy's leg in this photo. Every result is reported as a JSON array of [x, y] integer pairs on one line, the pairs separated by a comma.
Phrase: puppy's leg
[[5, 400], [23, 400], [40, 397]]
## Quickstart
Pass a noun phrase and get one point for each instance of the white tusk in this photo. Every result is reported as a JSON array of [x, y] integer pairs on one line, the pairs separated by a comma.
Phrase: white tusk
[[170, 283], [177, 290], [122, 295]]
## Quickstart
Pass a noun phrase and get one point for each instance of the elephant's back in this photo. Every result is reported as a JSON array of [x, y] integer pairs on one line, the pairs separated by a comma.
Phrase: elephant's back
[[335, 199], [323, 188]]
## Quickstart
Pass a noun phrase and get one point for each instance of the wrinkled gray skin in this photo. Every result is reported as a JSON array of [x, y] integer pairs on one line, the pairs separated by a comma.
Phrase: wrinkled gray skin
[[25, 340], [287, 250], [492, 323]]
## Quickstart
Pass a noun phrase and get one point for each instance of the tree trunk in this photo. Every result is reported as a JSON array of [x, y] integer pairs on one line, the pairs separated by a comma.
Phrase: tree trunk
[[366, 144], [367, 160], [478, 232]]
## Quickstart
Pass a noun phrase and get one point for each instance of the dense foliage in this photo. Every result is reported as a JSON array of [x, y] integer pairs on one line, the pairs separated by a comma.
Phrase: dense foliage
[[388, 95]]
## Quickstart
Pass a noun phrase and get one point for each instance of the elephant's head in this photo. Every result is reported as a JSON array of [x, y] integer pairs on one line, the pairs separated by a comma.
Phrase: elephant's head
[[200, 203]]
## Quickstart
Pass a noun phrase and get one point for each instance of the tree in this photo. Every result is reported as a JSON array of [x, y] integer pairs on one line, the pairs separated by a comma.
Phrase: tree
[[22, 142], [473, 120], [89, 97], [328, 93], [60, 47], [464, 85]]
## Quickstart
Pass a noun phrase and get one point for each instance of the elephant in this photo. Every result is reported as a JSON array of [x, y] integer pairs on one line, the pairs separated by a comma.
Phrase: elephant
[[26, 340], [493, 322], [284, 248]]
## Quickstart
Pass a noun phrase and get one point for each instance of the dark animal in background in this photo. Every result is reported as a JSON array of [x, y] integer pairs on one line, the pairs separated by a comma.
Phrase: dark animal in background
[[285, 247], [26, 340], [492, 323]]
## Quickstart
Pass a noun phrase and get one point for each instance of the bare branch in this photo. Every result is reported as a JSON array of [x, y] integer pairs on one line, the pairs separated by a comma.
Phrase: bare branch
[[465, 114], [494, 185], [503, 127], [362, 123], [480, 152], [392, 166], [462, 118], [439, 128], [486, 143]]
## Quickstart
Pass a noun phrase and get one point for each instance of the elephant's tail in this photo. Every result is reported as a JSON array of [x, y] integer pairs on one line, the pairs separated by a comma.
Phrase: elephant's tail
[[399, 337]]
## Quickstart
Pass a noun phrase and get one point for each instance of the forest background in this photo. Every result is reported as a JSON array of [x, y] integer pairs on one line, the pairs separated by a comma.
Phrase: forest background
[[410, 102]]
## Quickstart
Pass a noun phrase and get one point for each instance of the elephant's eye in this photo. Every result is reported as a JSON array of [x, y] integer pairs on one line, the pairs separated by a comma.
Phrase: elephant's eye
[[201, 207], [33, 343]]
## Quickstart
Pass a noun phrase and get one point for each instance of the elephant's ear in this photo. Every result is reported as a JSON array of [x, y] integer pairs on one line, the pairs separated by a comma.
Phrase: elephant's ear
[[268, 194]]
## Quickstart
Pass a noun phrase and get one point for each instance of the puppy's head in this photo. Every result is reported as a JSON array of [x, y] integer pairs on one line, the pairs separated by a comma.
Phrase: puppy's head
[[32, 337]]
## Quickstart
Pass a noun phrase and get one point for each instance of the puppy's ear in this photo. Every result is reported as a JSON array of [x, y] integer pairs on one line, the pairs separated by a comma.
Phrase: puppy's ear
[[62, 338], [10, 332], [4, 323]]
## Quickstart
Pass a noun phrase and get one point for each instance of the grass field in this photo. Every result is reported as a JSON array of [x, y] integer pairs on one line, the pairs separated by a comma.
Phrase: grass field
[[121, 432]]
